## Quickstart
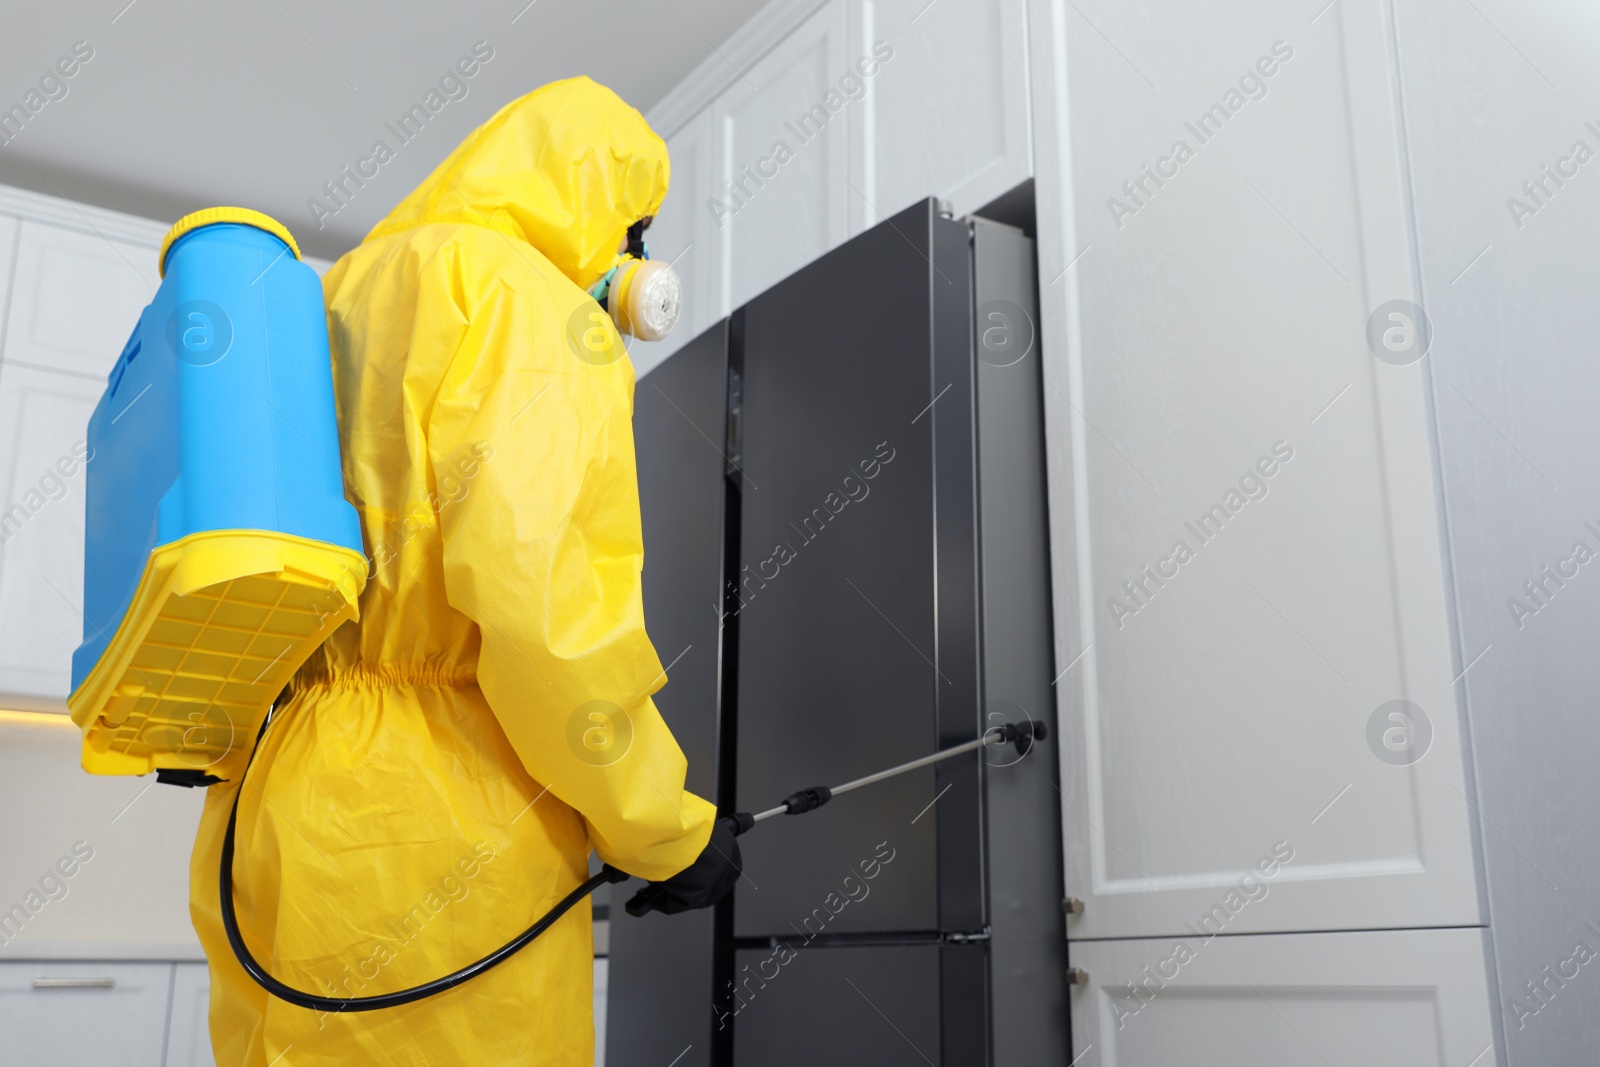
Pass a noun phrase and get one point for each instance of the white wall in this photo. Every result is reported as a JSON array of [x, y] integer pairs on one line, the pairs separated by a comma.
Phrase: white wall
[[1492, 96], [131, 899]]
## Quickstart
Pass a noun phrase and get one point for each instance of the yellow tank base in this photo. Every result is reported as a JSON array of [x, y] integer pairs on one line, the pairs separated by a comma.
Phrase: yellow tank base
[[220, 622]]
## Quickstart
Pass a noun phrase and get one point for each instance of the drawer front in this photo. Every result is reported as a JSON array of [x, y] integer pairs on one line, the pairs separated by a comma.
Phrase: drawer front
[[77, 1014], [189, 1035], [1383, 998]]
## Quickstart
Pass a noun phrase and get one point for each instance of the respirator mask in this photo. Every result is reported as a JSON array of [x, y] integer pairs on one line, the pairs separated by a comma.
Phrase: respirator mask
[[643, 296]]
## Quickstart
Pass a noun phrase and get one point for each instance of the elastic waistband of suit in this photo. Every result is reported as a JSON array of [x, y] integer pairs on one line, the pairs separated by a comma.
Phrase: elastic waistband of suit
[[387, 676]]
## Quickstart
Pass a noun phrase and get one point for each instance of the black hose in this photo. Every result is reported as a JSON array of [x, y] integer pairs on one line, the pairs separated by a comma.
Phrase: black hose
[[258, 973]]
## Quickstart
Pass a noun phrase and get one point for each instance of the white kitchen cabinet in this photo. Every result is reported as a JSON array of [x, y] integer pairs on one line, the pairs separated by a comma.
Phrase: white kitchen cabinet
[[947, 114], [44, 417], [75, 298], [779, 146], [188, 1032], [682, 235], [821, 137], [73, 1014], [1386, 999], [1210, 384]]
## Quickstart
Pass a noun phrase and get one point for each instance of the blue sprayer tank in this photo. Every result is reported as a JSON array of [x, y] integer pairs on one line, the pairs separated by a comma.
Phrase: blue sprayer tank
[[219, 549]]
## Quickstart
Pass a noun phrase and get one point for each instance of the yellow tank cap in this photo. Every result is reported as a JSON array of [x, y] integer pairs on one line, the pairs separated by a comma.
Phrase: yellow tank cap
[[213, 215]]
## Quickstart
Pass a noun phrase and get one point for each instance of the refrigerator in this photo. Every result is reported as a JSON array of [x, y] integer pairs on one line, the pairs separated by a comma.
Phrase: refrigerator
[[843, 498]]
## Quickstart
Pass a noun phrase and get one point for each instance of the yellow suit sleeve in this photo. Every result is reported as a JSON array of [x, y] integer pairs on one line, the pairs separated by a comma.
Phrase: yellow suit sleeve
[[544, 552]]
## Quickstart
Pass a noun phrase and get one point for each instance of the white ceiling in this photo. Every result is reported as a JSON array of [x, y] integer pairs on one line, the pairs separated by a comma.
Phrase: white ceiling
[[259, 102]]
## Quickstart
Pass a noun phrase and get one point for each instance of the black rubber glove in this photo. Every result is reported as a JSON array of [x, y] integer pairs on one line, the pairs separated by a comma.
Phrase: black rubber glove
[[701, 884]]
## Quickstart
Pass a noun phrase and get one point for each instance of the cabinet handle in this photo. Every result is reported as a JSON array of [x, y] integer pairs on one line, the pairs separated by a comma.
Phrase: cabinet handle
[[74, 983]]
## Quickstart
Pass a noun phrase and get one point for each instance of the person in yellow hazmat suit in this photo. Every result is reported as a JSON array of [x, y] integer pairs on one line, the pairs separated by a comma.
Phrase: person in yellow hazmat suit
[[439, 771]]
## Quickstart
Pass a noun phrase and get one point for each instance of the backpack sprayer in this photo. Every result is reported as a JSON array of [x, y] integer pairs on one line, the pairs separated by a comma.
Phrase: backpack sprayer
[[219, 549], [1022, 735]]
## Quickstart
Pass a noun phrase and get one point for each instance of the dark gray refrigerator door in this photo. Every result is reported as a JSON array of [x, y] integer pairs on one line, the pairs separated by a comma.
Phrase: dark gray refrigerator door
[[659, 1001], [803, 1006], [1028, 942], [856, 619]]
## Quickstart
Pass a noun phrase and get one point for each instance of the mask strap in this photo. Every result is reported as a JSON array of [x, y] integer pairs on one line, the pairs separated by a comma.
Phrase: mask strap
[[602, 288], [636, 247]]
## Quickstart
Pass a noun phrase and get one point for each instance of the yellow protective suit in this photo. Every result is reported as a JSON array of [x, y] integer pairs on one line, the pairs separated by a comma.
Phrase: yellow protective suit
[[441, 769]]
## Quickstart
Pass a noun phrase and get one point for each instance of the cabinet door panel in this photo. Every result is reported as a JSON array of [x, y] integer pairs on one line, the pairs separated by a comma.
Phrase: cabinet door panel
[[947, 114], [1248, 557], [44, 416], [75, 298], [780, 160], [681, 235], [1381, 999], [117, 1021], [189, 1032]]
